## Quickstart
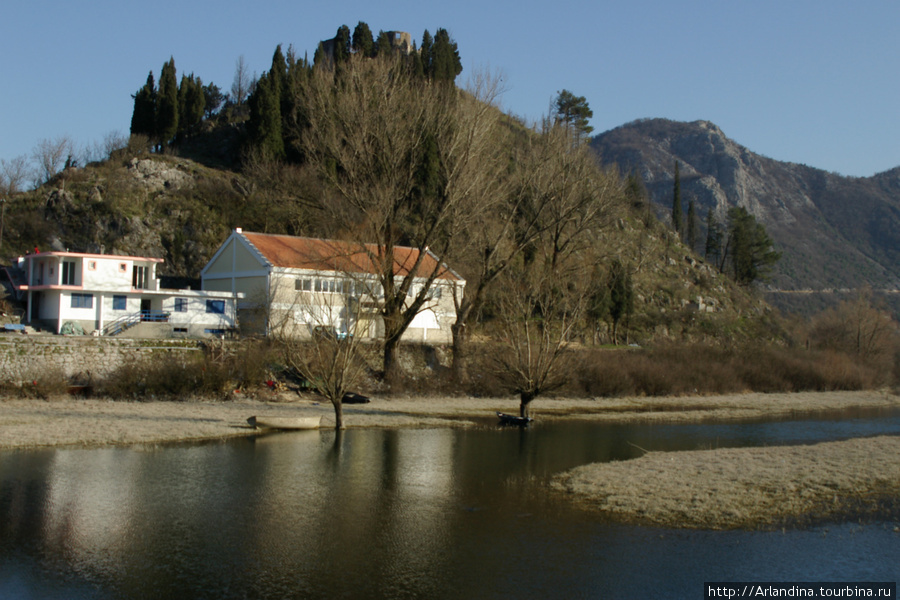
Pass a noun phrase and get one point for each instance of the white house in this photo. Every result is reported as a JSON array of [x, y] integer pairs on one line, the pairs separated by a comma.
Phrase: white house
[[118, 295], [295, 285]]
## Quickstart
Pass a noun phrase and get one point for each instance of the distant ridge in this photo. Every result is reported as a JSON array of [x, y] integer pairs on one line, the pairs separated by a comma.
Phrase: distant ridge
[[835, 232]]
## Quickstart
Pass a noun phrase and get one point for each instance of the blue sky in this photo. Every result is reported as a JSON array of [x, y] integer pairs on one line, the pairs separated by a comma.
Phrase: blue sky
[[807, 81]]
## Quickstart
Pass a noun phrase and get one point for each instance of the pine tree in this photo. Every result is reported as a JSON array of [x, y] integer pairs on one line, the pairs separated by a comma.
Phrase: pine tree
[[677, 209], [213, 98], [143, 119], [167, 105], [749, 247], [363, 43], [574, 112]]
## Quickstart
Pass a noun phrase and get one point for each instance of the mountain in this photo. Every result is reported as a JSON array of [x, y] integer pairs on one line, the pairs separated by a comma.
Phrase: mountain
[[835, 232]]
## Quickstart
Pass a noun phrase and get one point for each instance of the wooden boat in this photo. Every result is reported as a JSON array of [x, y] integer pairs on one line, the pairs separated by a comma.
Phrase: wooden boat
[[284, 422], [506, 419]]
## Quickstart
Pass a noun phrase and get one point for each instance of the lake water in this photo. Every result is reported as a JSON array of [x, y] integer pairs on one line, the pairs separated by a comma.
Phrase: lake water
[[415, 513]]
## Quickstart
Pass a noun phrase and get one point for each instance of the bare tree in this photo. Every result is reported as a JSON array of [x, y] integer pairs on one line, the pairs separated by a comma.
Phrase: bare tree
[[372, 130], [556, 194], [51, 155], [321, 336], [240, 86], [538, 310], [857, 327], [113, 142], [13, 174]]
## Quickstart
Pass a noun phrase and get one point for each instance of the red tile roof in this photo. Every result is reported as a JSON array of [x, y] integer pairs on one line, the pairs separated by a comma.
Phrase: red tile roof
[[332, 255]]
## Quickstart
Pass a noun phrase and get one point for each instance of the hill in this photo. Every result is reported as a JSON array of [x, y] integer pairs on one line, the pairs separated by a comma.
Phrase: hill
[[180, 210], [835, 232]]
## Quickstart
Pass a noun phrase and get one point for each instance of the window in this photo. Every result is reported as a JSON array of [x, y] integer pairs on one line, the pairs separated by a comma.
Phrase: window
[[120, 303], [434, 292], [179, 330], [82, 301], [215, 306], [140, 277], [68, 272], [216, 332], [181, 304], [303, 285], [123, 267], [92, 265]]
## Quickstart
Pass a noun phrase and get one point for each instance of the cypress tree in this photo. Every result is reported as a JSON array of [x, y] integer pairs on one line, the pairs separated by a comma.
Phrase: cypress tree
[[143, 119], [713, 239], [383, 44], [293, 116], [191, 103], [363, 43], [342, 45], [167, 105], [445, 57], [691, 226], [676, 201], [426, 54], [265, 119], [621, 295]]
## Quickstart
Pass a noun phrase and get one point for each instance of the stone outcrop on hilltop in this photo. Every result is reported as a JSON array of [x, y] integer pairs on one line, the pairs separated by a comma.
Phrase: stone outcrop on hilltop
[[835, 232]]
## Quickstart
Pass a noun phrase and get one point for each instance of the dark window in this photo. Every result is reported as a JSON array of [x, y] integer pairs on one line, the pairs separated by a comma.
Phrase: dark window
[[215, 306], [140, 277], [82, 301], [68, 272], [120, 303], [181, 304]]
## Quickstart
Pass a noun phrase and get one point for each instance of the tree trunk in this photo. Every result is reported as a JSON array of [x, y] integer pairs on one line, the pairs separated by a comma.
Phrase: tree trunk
[[389, 358], [458, 355], [525, 399], [338, 413]]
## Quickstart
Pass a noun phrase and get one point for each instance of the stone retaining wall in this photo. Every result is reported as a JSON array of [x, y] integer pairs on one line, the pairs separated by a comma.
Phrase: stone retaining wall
[[25, 357]]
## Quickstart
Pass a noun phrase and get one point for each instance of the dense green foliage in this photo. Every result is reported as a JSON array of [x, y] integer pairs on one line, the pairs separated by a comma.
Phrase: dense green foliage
[[574, 112], [749, 247]]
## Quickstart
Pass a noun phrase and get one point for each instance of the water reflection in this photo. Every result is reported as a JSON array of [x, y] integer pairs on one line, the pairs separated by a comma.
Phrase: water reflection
[[433, 513]]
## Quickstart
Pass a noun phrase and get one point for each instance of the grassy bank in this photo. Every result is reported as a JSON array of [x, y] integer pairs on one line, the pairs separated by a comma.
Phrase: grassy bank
[[746, 487]]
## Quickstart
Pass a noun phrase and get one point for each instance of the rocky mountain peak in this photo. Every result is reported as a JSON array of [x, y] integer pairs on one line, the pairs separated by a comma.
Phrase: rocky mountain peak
[[835, 232]]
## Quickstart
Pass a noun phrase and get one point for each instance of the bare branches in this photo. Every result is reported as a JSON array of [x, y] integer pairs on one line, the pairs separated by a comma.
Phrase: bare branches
[[51, 155], [409, 159]]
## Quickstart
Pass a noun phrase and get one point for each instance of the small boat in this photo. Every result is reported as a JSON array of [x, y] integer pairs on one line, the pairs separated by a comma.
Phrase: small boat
[[284, 422], [354, 398], [506, 419]]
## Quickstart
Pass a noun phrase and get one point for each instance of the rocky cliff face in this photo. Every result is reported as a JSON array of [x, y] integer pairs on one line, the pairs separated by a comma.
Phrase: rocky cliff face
[[834, 231]]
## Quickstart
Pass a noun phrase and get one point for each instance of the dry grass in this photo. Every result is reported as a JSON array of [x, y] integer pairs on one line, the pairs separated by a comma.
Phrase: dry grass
[[745, 487]]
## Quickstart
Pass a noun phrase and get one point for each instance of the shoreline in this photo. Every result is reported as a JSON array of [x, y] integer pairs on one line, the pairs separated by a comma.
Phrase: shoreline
[[32, 423], [725, 488]]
